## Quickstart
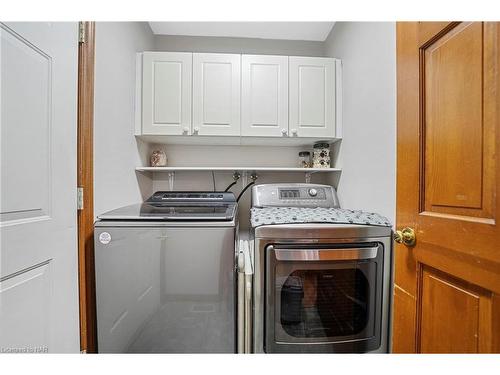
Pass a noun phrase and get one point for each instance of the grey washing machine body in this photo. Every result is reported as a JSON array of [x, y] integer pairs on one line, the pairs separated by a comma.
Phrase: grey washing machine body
[[165, 286]]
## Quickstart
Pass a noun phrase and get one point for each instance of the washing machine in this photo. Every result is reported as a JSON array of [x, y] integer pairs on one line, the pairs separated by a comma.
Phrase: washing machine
[[321, 274], [166, 275]]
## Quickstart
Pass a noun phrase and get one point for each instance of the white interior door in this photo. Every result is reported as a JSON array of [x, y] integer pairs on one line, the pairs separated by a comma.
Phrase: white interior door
[[312, 96], [216, 94], [166, 95], [38, 255], [264, 108]]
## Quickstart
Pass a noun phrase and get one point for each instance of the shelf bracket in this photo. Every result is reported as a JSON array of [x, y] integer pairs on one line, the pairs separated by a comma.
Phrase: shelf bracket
[[308, 177], [171, 179]]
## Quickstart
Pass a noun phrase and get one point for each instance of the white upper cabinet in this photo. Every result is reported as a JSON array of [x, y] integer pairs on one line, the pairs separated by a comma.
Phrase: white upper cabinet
[[238, 99], [216, 94], [264, 96], [312, 100], [166, 93]]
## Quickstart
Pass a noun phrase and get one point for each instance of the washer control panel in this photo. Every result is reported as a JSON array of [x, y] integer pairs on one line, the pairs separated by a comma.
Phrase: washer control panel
[[191, 196], [294, 195]]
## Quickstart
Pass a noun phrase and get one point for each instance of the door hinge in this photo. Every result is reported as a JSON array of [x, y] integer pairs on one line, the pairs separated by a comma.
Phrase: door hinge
[[81, 32], [79, 198]]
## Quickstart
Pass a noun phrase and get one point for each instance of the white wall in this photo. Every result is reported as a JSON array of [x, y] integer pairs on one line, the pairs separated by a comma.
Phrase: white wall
[[116, 152], [238, 45], [368, 150]]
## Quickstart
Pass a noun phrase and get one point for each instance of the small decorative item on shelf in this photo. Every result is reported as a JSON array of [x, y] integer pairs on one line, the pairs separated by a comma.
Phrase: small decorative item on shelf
[[321, 155], [304, 159], [158, 159]]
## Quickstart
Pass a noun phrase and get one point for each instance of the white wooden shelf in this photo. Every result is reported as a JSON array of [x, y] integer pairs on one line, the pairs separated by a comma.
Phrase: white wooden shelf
[[245, 171], [238, 169], [213, 140]]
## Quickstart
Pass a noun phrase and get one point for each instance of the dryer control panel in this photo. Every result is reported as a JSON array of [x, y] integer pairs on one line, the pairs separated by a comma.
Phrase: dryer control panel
[[294, 195]]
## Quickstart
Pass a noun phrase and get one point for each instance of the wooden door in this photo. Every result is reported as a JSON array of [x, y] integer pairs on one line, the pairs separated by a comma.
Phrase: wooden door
[[38, 132], [166, 93], [216, 94], [312, 101], [264, 90], [447, 286]]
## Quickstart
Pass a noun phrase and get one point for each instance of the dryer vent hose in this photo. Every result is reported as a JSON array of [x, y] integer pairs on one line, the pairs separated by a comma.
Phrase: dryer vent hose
[[244, 189], [231, 185]]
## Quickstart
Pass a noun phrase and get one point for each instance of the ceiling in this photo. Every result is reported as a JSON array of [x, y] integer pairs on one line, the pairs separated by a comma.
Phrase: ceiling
[[314, 31]]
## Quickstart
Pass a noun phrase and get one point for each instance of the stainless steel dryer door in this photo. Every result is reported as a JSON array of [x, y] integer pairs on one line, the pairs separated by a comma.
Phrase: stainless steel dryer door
[[323, 298]]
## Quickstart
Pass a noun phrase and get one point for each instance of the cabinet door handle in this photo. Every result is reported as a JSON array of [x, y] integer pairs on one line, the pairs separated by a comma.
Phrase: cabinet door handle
[[185, 130], [283, 131], [294, 131], [196, 130]]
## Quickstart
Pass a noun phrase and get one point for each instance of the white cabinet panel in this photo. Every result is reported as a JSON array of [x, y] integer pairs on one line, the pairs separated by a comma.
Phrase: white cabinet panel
[[216, 94], [230, 95], [264, 110], [166, 93], [312, 96]]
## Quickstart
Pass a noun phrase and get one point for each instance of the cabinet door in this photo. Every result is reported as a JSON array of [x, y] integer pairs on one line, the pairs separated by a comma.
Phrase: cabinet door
[[166, 93], [264, 110], [312, 96], [216, 94]]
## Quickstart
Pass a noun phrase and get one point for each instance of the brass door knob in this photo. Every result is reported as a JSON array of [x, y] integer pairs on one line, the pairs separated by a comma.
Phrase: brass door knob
[[405, 236]]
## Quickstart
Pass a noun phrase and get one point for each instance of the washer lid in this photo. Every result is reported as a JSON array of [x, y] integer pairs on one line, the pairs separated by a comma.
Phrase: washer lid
[[178, 211]]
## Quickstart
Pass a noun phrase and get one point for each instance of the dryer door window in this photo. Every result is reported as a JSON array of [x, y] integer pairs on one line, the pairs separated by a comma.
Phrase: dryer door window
[[322, 303], [326, 297]]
